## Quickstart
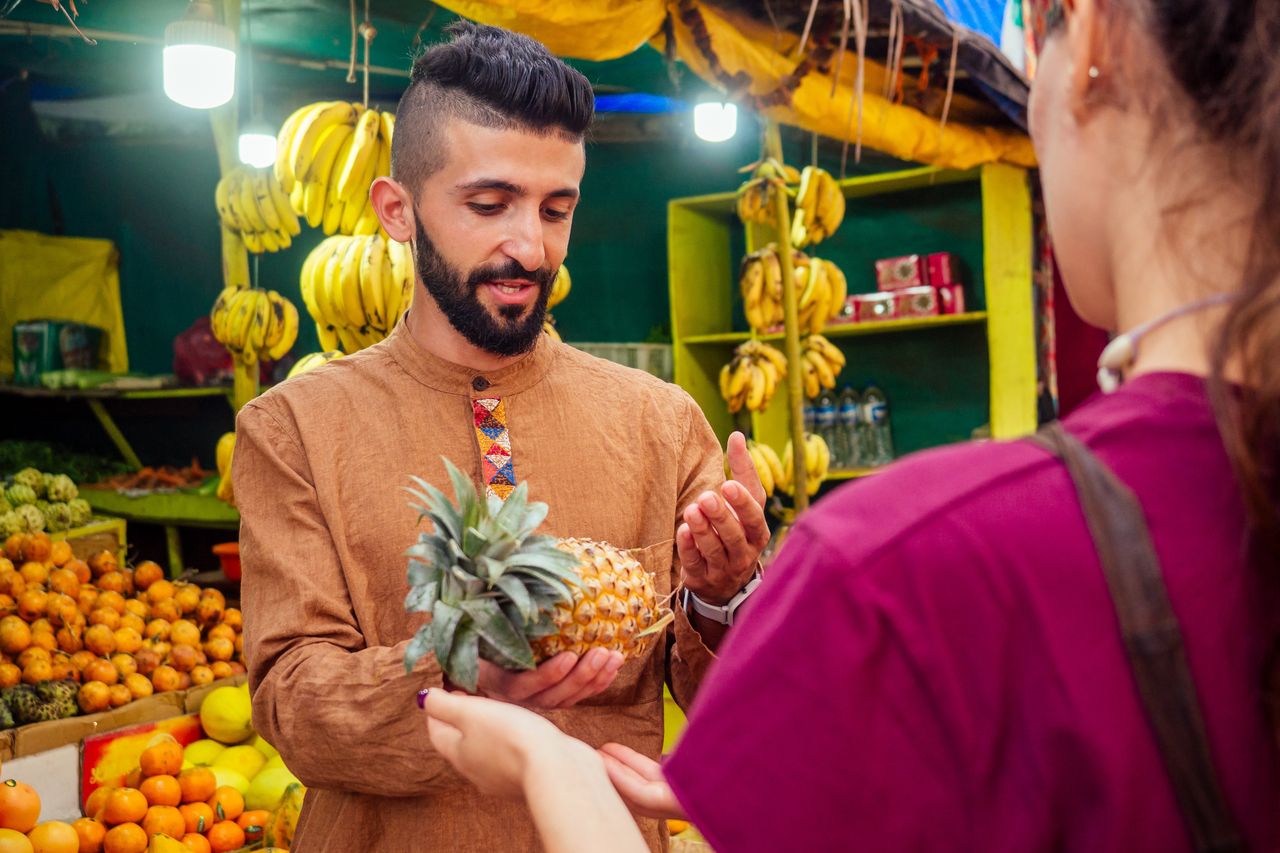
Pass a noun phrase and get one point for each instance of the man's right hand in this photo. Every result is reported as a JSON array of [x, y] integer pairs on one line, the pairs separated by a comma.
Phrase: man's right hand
[[560, 682]]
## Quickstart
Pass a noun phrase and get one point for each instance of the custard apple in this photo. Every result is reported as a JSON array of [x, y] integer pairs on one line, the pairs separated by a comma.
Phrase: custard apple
[[32, 519], [5, 506], [10, 524], [30, 477], [81, 512], [19, 494], [58, 517], [61, 488]]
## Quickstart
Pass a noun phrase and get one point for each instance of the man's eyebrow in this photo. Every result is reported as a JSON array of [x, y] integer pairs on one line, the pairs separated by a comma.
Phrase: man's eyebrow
[[513, 189]]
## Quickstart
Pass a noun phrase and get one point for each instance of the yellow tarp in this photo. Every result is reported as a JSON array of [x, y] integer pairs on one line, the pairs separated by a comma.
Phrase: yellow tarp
[[606, 29], [71, 279]]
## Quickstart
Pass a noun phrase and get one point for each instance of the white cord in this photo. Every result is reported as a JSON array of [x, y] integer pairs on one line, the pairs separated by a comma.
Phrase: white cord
[[1118, 355]]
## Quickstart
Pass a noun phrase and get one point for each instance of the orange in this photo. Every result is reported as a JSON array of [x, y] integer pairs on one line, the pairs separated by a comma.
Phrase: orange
[[105, 616], [124, 805], [220, 648], [198, 817], [15, 635], [139, 685], [34, 573], [60, 553], [184, 632], [198, 786], [138, 608], [97, 801], [183, 658], [93, 698], [227, 803], [20, 806], [9, 675], [253, 823], [133, 779], [32, 604], [37, 671], [54, 836], [100, 670], [165, 678], [125, 838], [164, 820], [215, 595], [90, 832], [147, 660], [197, 843], [208, 611], [221, 669], [231, 616], [119, 695], [81, 568], [12, 583], [103, 562], [125, 664], [37, 547], [46, 640], [14, 842], [13, 546], [187, 597], [146, 573], [65, 582], [165, 758], [111, 582], [224, 836], [165, 609], [112, 599], [160, 590], [201, 675], [162, 790], [100, 639]]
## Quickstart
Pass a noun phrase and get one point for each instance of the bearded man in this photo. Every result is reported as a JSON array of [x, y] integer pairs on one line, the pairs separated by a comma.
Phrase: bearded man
[[486, 165]]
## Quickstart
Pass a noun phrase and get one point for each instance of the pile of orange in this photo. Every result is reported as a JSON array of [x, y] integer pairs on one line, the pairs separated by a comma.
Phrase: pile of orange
[[164, 799], [122, 632]]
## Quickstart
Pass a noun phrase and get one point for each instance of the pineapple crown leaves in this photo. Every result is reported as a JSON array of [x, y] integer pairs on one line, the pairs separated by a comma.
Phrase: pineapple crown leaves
[[488, 582]]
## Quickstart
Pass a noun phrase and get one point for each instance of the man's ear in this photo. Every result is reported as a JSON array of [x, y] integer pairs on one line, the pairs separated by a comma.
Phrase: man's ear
[[394, 207]]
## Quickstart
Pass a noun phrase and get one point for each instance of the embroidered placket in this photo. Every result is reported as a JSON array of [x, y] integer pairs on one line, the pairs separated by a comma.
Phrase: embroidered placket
[[495, 446]]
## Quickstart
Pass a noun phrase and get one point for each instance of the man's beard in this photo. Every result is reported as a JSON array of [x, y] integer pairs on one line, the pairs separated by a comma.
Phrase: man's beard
[[460, 303]]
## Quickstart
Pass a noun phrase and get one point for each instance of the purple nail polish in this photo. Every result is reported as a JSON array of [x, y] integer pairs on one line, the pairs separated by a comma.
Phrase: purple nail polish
[[422, 697]]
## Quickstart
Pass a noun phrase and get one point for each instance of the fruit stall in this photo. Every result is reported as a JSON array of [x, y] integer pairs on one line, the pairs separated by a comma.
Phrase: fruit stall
[[854, 270]]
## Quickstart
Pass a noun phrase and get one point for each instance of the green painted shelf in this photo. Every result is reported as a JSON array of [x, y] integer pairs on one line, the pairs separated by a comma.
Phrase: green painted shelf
[[173, 508], [849, 330]]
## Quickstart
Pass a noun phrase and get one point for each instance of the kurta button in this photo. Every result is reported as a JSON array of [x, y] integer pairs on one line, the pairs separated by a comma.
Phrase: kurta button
[[480, 383]]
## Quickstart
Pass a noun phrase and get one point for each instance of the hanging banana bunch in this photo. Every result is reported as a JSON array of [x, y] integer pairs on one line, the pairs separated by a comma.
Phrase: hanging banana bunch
[[356, 289], [819, 207], [224, 454], [311, 361], [757, 195], [327, 156], [254, 324], [823, 362], [823, 291], [768, 466], [817, 463], [252, 203], [752, 377], [760, 280], [559, 292]]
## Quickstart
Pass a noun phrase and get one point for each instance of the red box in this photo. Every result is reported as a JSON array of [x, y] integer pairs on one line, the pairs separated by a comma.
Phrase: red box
[[941, 269], [951, 298], [915, 302], [897, 273], [869, 307]]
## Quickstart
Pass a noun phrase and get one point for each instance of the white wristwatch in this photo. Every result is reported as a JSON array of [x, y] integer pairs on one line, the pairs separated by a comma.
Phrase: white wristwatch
[[721, 613]]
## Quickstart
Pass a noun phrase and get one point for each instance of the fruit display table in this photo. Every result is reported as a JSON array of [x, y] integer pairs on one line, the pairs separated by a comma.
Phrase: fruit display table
[[169, 510]]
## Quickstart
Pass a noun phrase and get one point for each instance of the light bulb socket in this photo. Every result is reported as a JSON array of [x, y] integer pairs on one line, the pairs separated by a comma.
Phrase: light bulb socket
[[200, 26]]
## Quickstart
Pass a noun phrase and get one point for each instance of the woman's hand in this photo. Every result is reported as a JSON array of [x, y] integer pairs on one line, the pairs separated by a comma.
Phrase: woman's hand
[[639, 781], [494, 744]]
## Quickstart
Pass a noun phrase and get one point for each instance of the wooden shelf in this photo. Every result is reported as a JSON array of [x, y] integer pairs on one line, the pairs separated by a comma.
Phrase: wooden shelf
[[849, 330]]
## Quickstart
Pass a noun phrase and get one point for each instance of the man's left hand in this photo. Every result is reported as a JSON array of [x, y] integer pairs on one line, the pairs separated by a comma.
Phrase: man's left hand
[[723, 534]]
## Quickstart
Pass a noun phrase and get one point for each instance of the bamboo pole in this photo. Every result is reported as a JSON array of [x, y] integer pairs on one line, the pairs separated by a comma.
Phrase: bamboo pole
[[225, 123], [791, 314]]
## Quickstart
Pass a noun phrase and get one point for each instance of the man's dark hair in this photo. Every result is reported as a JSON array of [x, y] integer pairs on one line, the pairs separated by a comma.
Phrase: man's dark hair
[[489, 77]]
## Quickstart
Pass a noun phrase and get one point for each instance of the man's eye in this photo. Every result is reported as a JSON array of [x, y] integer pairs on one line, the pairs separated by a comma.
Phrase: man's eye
[[556, 215], [484, 209]]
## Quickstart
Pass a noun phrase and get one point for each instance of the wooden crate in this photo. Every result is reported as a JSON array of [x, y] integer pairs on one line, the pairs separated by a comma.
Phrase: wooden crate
[[100, 534]]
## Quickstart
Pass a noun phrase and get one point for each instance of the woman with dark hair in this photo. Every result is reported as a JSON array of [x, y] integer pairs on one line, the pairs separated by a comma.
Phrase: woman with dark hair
[[1057, 643]]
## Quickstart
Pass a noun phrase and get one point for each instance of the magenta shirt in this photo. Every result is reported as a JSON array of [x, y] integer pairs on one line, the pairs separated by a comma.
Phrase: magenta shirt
[[933, 662]]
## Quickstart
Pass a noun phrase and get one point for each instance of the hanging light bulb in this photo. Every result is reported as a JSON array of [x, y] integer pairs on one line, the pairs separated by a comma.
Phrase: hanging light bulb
[[257, 144], [715, 122], [199, 59]]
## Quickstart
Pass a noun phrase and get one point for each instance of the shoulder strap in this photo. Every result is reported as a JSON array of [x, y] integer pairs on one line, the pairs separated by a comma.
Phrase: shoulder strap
[[1152, 638]]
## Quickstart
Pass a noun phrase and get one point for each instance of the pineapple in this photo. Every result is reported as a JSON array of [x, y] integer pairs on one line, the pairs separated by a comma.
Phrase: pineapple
[[498, 592]]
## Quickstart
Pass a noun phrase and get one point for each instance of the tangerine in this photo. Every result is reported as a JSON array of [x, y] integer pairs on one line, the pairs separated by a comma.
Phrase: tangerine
[[198, 816], [60, 553], [102, 562], [14, 842], [225, 835], [166, 609], [146, 573], [139, 608], [139, 685], [233, 617], [94, 697], [13, 546], [104, 616], [32, 604], [64, 581], [227, 803], [221, 669], [37, 671], [128, 640], [125, 838], [54, 836], [19, 806], [100, 670], [81, 568], [9, 675], [124, 805], [90, 832], [100, 640], [201, 675], [147, 661], [208, 611], [165, 679], [187, 597], [35, 574], [184, 632], [197, 843], [37, 547], [111, 582], [159, 591], [162, 790], [220, 648], [12, 583], [15, 635], [119, 695], [164, 820], [198, 786], [94, 805], [254, 823]]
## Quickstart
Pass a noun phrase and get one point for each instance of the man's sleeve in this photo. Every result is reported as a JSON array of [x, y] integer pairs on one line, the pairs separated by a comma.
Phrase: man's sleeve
[[344, 716]]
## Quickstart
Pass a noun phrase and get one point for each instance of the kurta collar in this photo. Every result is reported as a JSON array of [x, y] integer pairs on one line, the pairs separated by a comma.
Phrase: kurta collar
[[450, 378]]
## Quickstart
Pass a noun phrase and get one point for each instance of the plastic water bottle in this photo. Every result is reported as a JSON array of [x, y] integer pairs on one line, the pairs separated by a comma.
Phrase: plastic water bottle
[[876, 408], [810, 416], [847, 416], [825, 419]]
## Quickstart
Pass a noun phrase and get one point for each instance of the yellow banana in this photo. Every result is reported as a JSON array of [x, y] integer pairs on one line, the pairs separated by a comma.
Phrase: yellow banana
[[333, 203], [317, 181], [262, 200], [820, 366], [280, 201], [363, 150], [755, 388], [726, 374], [283, 169], [348, 340], [247, 207], [328, 337], [393, 290], [771, 458], [762, 469], [372, 295], [321, 117], [287, 319], [329, 288], [358, 198], [775, 356], [839, 286], [222, 201], [560, 287]]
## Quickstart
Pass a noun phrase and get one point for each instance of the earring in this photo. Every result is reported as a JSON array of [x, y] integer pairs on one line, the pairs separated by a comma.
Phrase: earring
[[1094, 73]]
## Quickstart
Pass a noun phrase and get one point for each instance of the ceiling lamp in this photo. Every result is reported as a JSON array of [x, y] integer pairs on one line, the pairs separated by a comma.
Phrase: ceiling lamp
[[257, 144], [715, 122], [199, 59]]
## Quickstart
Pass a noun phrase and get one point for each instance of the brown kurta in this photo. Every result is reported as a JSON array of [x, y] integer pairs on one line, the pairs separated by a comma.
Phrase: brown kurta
[[320, 463]]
